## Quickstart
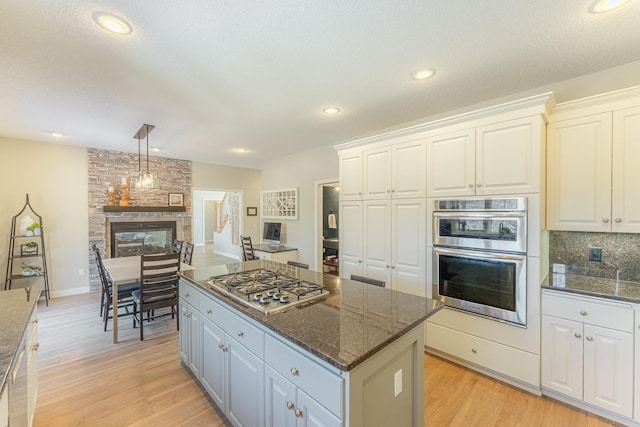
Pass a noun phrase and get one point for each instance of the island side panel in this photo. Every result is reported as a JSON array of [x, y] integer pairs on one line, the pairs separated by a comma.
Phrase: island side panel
[[373, 385]]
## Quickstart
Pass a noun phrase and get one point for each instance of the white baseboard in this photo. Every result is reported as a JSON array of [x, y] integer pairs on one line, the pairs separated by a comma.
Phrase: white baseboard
[[68, 292], [227, 254]]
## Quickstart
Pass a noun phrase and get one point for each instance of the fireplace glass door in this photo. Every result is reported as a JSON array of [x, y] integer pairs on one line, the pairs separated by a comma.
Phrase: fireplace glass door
[[137, 238]]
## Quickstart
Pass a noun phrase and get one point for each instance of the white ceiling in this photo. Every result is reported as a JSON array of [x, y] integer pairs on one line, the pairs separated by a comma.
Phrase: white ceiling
[[212, 75]]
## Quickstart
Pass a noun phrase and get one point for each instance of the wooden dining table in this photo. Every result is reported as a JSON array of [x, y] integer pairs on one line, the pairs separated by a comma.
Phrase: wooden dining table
[[125, 270]]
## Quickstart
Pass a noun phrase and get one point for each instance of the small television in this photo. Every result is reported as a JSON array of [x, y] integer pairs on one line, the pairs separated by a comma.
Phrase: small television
[[271, 232]]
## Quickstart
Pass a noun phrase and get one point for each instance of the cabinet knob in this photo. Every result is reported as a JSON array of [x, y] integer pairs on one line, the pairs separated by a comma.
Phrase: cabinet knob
[[478, 185], [589, 338], [618, 220], [240, 333], [298, 413], [470, 185], [290, 405], [474, 351], [393, 191], [295, 372], [35, 321], [220, 346], [577, 335], [605, 220], [359, 193], [209, 311], [187, 295], [36, 346], [225, 348], [388, 266], [359, 261], [583, 313]]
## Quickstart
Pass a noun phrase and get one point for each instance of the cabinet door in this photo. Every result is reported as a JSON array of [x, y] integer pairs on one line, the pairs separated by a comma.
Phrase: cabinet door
[[409, 169], [311, 414], [579, 174], [32, 366], [245, 384], [408, 244], [377, 240], [350, 238], [377, 173], [351, 175], [280, 398], [562, 364], [451, 164], [508, 157], [608, 367], [626, 173], [213, 362], [4, 408], [195, 341], [185, 333]]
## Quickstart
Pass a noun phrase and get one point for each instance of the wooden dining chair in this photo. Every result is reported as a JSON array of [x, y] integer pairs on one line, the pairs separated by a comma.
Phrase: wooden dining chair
[[158, 287], [247, 248], [109, 302], [177, 246], [298, 264], [187, 255], [129, 247], [368, 280]]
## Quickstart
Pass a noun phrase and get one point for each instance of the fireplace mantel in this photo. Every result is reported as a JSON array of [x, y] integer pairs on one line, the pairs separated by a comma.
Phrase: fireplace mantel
[[144, 208]]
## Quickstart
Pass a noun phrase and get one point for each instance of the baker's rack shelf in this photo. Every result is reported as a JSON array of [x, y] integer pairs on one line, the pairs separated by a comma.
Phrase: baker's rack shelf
[[39, 251]]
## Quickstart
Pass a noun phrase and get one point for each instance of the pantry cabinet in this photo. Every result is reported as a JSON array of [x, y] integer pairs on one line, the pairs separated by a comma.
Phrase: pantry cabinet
[[496, 159], [587, 351], [351, 177], [593, 174], [386, 240]]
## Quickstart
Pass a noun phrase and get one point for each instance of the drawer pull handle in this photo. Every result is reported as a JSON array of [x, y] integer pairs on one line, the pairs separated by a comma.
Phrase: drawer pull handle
[[290, 405], [618, 220], [577, 335], [295, 372], [583, 313], [298, 413], [240, 333], [209, 311], [474, 351], [589, 338]]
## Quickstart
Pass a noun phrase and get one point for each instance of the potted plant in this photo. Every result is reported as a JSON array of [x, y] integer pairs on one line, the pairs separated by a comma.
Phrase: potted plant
[[34, 229], [31, 270], [30, 248]]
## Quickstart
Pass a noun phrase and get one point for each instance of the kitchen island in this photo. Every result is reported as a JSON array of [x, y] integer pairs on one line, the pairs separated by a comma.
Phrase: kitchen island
[[353, 357]]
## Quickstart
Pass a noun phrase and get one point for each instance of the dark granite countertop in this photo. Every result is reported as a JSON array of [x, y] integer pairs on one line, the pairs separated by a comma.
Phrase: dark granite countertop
[[351, 324], [16, 307], [593, 286]]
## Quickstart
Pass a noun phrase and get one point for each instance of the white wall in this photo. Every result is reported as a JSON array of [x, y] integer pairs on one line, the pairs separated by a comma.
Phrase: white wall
[[302, 170], [55, 176]]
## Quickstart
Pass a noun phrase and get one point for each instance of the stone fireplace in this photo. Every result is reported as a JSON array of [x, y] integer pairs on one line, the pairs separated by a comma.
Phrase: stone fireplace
[[148, 207]]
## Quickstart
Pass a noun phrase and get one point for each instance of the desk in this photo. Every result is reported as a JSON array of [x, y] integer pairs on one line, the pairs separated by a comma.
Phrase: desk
[[276, 253], [125, 270]]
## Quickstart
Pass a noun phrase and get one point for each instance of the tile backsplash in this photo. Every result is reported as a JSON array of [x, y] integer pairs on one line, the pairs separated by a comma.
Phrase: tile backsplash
[[572, 249]]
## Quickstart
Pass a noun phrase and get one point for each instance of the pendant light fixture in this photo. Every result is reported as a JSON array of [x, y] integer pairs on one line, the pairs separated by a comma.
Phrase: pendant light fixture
[[145, 180]]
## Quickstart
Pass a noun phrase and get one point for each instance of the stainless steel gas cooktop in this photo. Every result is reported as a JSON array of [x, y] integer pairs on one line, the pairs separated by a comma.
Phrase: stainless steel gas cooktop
[[266, 290]]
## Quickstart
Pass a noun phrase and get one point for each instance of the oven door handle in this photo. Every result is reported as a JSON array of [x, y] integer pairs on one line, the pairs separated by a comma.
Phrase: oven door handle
[[478, 254], [479, 215]]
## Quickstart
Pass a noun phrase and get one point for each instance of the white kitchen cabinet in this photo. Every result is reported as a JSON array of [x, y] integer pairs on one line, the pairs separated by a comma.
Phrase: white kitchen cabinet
[[4, 408], [350, 238], [279, 256], [245, 385], [395, 171], [592, 172], [385, 240], [213, 378], [496, 159], [32, 364], [289, 406], [587, 351], [190, 341], [636, 364], [351, 177]]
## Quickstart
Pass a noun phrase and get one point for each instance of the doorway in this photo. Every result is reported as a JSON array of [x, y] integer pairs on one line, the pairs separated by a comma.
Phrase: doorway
[[217, 221], [328, 196]]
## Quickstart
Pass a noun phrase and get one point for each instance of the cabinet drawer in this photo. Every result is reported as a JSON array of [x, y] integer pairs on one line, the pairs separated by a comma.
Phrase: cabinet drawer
[[509, 361], [189, 293], [608, 314], [242, 331], [321, 384]]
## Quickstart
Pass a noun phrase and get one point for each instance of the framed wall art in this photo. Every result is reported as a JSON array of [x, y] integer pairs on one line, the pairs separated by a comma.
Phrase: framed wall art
[[279, 204], [176, 199]]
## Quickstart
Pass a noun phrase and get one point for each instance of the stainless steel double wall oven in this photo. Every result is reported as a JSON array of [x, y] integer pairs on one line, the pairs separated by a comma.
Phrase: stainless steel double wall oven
[[479, 256]]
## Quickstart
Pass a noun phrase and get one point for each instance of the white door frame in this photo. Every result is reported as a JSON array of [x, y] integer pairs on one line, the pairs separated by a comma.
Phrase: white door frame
[[318, 221], [241, 208]]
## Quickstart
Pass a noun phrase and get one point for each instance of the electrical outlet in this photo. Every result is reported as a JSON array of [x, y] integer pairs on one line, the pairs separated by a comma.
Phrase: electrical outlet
[[595, 254], [81, 272]]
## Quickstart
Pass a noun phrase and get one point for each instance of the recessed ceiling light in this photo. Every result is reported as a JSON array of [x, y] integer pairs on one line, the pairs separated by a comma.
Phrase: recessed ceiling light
[[601, 6], [112, 23], [241, 150], [331, 110], [57, 134], [423, 74], [156, 149]]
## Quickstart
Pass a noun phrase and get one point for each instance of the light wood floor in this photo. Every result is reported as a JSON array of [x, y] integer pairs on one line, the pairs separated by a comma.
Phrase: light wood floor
[[86, 380]]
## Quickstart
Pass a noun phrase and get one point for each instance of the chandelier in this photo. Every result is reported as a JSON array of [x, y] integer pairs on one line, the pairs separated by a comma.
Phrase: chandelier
[[144, 180]]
